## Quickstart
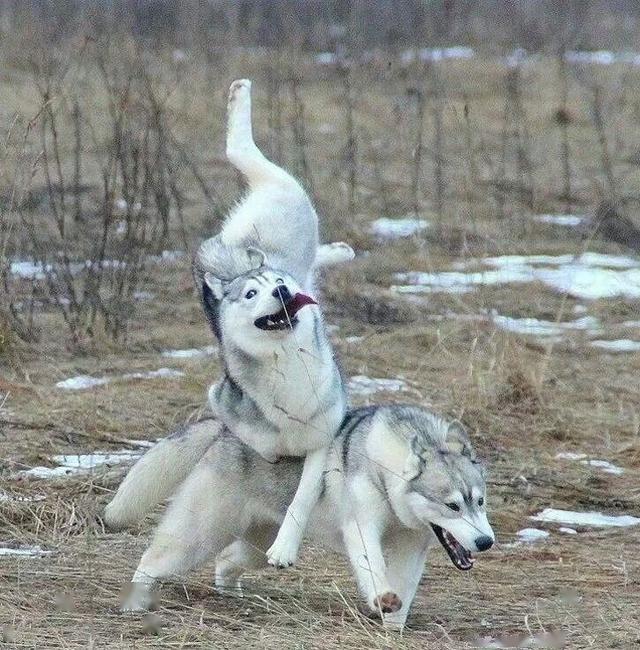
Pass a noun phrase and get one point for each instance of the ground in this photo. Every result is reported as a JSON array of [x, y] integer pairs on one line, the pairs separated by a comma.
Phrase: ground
[[524, 398]]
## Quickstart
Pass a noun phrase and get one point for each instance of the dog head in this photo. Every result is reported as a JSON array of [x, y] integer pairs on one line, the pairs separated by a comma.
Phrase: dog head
[[259, 306], [444, 486]]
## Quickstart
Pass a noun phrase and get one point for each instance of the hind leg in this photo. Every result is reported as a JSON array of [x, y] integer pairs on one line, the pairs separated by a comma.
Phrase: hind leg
[[242, 151], [198, 523], [243, 554]]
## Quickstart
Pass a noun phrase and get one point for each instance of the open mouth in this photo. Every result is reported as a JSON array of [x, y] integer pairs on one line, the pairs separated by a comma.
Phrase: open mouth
[[459, 555], [286, 317]]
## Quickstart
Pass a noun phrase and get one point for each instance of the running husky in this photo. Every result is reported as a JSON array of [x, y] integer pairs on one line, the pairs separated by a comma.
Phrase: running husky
[[397, 478], [281, 391]]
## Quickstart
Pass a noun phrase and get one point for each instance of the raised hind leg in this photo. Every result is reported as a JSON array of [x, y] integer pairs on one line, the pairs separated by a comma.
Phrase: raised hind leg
[[242, 151]]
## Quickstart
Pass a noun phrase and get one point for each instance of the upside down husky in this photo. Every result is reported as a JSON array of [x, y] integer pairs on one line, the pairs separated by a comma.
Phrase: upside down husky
[[397, 479], [281, 392]]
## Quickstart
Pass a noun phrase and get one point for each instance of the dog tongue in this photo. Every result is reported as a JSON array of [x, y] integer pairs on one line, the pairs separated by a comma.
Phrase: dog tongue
[[299, 301]]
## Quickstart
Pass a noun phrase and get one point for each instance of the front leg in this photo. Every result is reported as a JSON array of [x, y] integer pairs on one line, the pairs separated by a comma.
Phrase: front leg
[[284, 551], [364, 547], [407, 553]]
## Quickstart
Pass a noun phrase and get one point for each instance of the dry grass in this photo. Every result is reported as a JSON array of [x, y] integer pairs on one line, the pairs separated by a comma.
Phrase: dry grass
[[522, 404]]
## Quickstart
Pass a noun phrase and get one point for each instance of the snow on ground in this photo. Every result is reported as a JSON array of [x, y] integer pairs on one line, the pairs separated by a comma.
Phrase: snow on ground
[[32, 270], [385, 228], [28, 551], [190, 352], [617, 345], [567, 531], [538, 327], [362, 385], [602, 57], [595, 519], [532, 534], [589, 276], [18, 498], [82, 382], [436, 54], [569, 220], [68, 464], [604, 465]]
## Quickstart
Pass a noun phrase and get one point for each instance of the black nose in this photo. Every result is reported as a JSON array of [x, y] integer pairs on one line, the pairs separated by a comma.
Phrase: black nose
[[484, 542], [282, 293]]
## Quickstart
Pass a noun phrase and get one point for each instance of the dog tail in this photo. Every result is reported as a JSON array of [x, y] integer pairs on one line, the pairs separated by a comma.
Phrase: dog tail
[[156, 475]]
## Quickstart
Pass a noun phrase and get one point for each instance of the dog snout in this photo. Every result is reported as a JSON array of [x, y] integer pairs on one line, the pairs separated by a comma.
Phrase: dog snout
[[281, 292], [483, 543]]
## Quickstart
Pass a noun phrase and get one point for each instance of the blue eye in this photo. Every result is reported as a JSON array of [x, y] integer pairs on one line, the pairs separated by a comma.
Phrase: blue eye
[[250, 294]]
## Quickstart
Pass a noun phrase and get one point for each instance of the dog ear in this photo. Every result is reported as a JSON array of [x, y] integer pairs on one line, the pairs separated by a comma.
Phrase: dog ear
[[416, 459], [215, 284], [458, 441], [257, 258]]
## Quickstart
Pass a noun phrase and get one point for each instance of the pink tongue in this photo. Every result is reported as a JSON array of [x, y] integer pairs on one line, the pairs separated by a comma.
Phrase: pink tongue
[[299, 301]]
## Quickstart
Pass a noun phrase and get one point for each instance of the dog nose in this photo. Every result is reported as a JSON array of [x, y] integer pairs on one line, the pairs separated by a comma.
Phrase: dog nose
[[281, 293], [484, 542]]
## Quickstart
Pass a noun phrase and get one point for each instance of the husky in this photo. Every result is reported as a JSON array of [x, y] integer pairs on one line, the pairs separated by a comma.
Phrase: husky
[[397, 480], [281, 392]]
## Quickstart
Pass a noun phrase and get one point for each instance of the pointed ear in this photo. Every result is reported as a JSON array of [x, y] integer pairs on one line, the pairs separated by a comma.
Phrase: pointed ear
[[215, 284], [416, 460], [458, 441], [256, 257]]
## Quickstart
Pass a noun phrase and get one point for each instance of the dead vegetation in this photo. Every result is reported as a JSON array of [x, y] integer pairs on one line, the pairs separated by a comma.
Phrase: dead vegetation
[[114, 153]]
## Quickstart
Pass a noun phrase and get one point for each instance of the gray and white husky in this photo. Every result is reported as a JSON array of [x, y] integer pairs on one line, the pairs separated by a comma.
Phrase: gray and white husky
[[281, 391], [396, 480]]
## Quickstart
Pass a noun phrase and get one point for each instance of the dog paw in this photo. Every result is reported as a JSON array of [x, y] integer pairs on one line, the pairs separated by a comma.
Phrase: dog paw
[[283, 552], [387, 603], [140, 599], [229, 588], [239, 90]]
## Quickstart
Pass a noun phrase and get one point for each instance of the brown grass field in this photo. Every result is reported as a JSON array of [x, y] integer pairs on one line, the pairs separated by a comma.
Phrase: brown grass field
[[377, 139]]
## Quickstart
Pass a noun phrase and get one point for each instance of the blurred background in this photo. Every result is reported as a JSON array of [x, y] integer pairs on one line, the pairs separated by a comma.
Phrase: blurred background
[[483, 160]]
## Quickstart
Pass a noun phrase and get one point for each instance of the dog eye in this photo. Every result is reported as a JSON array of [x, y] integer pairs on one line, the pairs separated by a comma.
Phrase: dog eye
[[454, 506], [250, 294], [481, 501]]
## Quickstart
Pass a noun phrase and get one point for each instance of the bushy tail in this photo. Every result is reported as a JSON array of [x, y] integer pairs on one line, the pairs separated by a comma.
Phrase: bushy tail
[[157, 474]]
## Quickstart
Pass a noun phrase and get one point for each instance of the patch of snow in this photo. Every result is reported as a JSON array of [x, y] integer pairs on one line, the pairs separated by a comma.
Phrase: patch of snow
[[385, 228], [179, 55], [326, 58], [538, 327], [190, 352], [82, 382], [570, 455], [29, 270], [69, 464], [532, 534], [435, 54], [4, 496], [354, 339], [588, 276], [595, 519], [602, 57], [569, 220], [604, 465], [164, 373], [141, 296], [29, 551], [630, 324], [142, 443], [567, 531], [362, 385], [617, 345]]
